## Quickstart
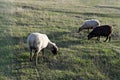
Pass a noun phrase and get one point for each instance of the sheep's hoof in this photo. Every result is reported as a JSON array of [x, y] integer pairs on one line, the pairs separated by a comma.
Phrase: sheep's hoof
[[98, 40], [30, 60], [104, 41], [35, 64]]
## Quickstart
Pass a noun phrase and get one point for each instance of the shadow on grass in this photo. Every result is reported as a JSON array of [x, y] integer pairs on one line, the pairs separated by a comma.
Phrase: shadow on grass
[[6, 57], [14, 61], [30, 7], [62, 39], [86, 13], [80, 13], [22, 68], [111, 7]]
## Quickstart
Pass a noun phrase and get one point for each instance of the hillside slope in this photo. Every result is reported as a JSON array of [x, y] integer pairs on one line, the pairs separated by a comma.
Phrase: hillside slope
[[77, 59]]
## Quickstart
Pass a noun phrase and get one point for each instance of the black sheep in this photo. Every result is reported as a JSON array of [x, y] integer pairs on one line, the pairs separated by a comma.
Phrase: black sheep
[[104, 30]]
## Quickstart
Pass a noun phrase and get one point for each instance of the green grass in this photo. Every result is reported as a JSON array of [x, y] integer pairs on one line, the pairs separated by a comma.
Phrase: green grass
[[77, 59]]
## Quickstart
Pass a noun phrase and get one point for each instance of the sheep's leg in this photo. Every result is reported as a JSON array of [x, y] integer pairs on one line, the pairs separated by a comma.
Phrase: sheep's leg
[[88, 30], [78, 31], [106, 39], [30, 54], [109, 38], [98, 38], [42, 52], [36, 56]]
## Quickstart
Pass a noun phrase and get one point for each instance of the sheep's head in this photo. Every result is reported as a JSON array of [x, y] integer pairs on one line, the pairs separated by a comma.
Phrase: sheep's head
[[80, 29], [53, 48], [90, 36]]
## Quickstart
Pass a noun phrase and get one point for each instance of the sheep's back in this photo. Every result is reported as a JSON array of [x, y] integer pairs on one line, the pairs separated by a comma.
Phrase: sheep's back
[[91, 23], [37, 40], [104, 30]]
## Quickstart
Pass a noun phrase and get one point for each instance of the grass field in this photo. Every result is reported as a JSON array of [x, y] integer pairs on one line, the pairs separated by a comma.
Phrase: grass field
[[78, 58]]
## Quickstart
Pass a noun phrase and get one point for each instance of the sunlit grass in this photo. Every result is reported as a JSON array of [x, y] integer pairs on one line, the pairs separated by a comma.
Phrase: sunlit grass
[[77, 59]]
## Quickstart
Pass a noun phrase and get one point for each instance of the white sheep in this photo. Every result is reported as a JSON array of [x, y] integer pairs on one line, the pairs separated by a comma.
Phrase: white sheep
[[38, 42], [89, 24]]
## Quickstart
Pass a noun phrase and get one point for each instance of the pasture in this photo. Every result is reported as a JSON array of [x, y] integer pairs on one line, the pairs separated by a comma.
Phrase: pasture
[[78, 58]]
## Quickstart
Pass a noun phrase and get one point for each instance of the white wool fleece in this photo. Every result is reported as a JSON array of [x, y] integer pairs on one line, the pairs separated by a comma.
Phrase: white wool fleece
[[90, 23], [37, 40]]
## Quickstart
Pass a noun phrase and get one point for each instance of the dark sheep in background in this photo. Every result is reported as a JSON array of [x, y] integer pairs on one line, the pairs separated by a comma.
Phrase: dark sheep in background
[[104, 30]]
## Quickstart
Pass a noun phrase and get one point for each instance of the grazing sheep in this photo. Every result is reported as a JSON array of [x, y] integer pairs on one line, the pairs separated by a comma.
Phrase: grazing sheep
[[104, 30], [89, 24], [38, 42]]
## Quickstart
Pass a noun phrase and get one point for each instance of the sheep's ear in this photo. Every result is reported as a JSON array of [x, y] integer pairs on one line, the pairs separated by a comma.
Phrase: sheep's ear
[[54, 48], [54, 44]]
